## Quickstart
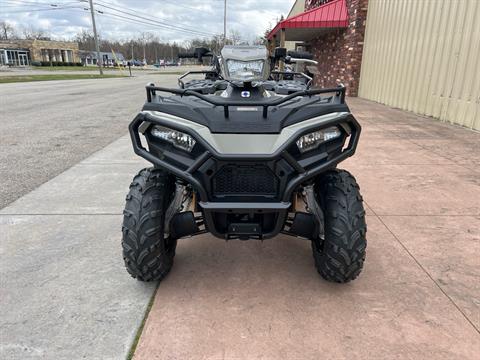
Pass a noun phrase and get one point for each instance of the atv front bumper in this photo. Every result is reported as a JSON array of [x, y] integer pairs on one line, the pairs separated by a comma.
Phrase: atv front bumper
[[235, 187]]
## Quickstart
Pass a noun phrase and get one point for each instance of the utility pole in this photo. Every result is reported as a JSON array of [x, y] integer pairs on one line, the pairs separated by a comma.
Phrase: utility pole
[[144, 56], [132, 50], [97, 47], [144, 38], [225, 23]]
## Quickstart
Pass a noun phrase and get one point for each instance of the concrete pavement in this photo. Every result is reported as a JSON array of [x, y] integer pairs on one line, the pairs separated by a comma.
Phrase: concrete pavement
[[66, 295]]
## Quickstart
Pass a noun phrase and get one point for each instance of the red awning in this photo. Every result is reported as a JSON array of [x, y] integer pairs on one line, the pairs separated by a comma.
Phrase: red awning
[[330, 15]]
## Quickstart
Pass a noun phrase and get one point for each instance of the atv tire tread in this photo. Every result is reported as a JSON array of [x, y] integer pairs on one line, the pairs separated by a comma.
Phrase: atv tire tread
[[147, 256], [342, 254]]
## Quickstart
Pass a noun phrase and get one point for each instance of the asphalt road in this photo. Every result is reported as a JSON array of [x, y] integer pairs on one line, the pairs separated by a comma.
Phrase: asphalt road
[[46, 127]]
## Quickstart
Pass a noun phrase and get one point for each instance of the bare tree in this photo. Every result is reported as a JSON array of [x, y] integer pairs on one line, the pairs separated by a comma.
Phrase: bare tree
[[32, 33], [234, 36], [7, 31], [85, 40], [263, 40]]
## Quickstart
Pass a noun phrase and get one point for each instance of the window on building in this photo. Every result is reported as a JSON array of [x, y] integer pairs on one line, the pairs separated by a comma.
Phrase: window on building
[[45, 56], [16, 57]]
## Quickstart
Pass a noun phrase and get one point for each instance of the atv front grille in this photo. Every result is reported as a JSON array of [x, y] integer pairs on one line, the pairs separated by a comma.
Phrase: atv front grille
[[235, 179]]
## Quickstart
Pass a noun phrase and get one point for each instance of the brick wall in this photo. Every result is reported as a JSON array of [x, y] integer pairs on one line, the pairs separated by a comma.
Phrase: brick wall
[[339, 52], [38, 45]]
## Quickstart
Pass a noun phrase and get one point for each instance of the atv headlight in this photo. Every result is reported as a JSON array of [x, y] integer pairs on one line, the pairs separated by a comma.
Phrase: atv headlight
[[314, 139], [245, 70], [178, 139]]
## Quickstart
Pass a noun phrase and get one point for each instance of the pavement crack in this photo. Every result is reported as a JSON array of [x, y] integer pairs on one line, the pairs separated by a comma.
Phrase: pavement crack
[[425, 271]]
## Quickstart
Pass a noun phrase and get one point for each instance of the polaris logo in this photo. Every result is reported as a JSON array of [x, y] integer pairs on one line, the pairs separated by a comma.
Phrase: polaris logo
[[245, 94]]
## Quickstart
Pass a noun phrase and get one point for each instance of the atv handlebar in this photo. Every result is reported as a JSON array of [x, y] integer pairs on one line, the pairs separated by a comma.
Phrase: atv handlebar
[[292, 60], [300, 55], [186, 55], [198, 53]]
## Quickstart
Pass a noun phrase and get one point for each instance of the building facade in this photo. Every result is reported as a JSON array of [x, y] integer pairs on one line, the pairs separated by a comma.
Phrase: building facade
[[339, 52], [424, 56], [297, 8], [333, 30], [23, 52], [89, 58], [420, 56]]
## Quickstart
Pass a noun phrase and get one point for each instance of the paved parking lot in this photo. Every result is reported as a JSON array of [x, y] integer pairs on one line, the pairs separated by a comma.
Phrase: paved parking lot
[[65, 294], [48, 126]]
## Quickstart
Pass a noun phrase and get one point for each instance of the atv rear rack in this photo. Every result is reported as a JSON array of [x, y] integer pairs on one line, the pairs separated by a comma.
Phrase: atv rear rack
[[219, 101]]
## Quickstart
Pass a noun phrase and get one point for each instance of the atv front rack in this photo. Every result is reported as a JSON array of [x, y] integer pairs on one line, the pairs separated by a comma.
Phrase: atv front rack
[[277, 74], [225, 103], [181, 83]]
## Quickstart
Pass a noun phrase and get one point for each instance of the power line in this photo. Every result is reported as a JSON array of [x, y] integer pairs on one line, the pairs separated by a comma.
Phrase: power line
[[21, 3], [131, 17], [162, 23], [51, 4], [141, 22], [195, 31], [18, 2], [43, 9]]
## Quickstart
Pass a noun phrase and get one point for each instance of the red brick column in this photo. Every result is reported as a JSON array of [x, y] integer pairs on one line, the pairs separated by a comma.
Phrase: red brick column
[[339, 52]]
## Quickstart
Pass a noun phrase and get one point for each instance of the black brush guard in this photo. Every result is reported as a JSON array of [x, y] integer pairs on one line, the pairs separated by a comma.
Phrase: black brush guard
[[302, 173]]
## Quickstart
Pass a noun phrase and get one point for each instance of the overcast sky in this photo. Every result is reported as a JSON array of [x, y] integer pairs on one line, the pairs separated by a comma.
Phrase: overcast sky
[[201, 17]]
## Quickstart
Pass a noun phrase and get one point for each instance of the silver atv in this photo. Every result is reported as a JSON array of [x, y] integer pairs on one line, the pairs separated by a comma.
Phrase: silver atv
[[246, 152]]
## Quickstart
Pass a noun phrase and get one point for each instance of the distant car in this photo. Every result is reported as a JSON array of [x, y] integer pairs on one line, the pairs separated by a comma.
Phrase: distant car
[[136, 63]]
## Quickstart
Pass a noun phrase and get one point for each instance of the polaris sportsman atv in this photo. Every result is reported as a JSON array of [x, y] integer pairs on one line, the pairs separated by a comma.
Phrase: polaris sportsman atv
[[245, 153]]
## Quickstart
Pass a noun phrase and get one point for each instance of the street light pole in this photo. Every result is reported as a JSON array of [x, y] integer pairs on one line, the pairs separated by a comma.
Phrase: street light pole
[[97, 47], [225, 22]]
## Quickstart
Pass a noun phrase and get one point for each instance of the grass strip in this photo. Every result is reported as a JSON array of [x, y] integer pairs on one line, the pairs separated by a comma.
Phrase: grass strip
[[28, 78], [162, 72], [85, 68], [131, 353]]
